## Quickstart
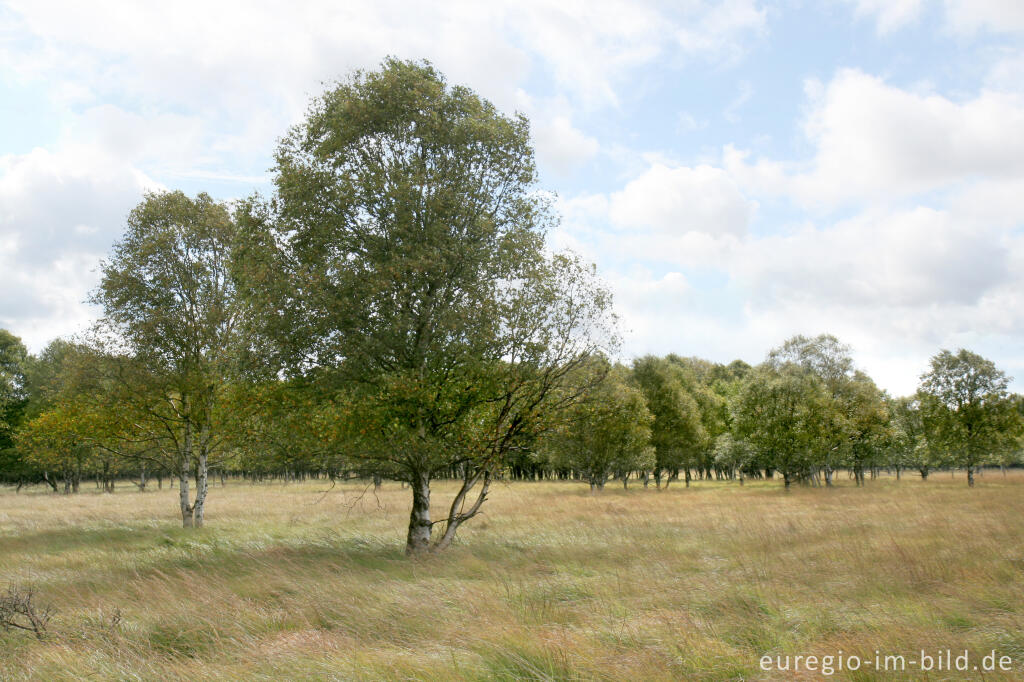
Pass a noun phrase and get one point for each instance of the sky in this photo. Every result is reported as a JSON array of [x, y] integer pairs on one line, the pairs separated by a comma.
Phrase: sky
[[740, 171]]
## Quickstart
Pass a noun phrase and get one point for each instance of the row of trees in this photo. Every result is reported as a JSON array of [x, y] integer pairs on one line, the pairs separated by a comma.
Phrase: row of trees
[[805, 413], [392, 312]]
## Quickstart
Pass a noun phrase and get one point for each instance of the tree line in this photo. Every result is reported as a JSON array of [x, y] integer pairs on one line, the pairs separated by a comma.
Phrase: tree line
[[392, 312], [802, 415]]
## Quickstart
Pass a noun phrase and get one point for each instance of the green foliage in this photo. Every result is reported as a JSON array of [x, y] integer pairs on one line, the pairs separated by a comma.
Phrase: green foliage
[[854, 421], [393, 311], [966, 408], [13, 403], [782, 412], [608, 433], [733, 455], [678, 433], [167, 293], [13, 357], [866, 423], [54, 436], [910, 445], [823, 355]]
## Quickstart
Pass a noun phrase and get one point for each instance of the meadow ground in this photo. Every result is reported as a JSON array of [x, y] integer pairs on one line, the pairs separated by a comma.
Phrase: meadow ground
[[286, 582]]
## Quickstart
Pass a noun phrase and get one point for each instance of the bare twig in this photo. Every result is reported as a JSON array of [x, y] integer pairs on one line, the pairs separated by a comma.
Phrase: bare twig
[[19, 612]]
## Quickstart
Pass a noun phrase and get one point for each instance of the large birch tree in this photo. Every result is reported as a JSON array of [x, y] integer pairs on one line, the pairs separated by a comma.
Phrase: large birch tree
[[403, 259]]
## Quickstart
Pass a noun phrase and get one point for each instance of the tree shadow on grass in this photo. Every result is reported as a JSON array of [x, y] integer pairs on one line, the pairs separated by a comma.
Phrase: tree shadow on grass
[[54, 541]]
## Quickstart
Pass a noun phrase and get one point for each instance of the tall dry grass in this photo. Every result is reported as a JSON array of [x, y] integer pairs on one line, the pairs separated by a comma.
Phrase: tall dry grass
[[287, 582]]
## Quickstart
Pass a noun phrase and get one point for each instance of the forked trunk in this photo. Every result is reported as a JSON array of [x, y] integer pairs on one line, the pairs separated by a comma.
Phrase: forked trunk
[[457, 513], [418, 541]]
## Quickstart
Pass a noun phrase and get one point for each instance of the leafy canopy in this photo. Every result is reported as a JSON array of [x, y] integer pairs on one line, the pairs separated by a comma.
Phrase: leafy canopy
[[403, 260]]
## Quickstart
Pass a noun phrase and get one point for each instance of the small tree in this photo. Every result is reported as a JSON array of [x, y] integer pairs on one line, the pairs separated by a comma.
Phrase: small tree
[[868, 424], [677, 433], [54, 435], [608, 434], [14, 468], [1011, 453], [13, 358], [733, 455], [849, 400], [170, 339], [966, 408], [910, 447], [55, 441], [781, 411]]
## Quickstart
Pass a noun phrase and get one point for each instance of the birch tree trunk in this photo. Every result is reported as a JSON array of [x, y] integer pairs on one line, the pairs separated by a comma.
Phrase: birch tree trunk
[[184, 464], [202, 486], [418, 540]]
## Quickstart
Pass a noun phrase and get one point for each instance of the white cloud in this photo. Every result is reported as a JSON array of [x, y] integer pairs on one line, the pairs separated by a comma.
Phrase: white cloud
[[874, 141], [561, 146], [932, 256], [970, 16], [679, 200], [896, 285], [1007, 71], [889, 15], [912, 259], [718, 28], [686, 123], [965, 17], [182, 52], [59, 214]]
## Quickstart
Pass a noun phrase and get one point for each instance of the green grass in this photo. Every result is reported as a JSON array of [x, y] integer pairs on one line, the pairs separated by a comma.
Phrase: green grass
[[550, 583]]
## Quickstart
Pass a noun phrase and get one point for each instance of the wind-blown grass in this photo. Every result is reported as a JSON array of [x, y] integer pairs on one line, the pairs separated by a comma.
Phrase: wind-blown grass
[[550, 583]]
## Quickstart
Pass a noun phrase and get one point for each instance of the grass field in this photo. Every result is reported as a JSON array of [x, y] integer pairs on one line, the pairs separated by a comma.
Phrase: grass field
[[551, 583]]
